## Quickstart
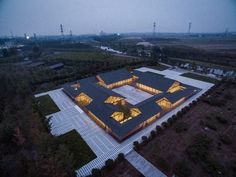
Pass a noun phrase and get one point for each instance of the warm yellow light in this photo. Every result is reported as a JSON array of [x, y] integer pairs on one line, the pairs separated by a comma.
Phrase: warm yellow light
[[83, 99], [164, 103], [175, 87], [135, 112], [118, 116], [113, 100]]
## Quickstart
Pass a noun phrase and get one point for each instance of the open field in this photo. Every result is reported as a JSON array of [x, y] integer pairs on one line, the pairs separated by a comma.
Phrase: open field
[[46, 105], [80, 56], [81, 152], [200, 77], [88, 56], [201, 142]]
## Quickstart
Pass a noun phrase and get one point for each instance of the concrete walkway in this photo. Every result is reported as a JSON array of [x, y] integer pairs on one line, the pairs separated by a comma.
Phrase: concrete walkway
[[143, 166]]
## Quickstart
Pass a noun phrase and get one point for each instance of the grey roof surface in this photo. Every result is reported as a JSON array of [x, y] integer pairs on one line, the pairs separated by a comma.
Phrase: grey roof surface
[[153, 80], [115, 76], [148, 107]]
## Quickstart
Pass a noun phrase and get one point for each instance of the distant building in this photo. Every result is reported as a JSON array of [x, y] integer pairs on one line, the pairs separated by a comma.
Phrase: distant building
[[40, 63], [57, 66]]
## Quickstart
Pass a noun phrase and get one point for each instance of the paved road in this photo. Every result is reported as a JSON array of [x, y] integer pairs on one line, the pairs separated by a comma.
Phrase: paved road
[[143, 166]]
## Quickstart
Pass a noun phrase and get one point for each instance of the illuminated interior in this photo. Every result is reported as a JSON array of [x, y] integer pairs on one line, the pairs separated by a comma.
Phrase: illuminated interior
[[118, 116], [124, 116], [113, 100], [148, 89], [120, 83], [83, 99], [164, 103], [175, 87], [135, 112]]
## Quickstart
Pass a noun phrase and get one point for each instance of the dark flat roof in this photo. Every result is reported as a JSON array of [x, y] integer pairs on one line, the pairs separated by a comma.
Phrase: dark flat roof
[[153, 80], [115, 76], [148, 107]]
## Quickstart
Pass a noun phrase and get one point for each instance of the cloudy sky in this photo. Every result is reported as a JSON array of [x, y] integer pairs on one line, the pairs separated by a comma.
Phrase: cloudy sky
[[91, 16]]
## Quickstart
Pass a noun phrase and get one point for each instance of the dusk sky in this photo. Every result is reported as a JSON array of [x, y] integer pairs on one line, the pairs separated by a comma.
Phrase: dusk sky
[[43, 17]]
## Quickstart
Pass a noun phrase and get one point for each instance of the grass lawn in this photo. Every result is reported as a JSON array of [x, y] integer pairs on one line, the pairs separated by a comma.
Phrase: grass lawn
[[78, 147], [200, 77], [80, 56], [159, 67], [46, 105]]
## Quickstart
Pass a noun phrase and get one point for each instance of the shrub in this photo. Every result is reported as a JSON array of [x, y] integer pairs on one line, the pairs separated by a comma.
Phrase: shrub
[[183, 111], [144, 140], [225, 139], [198, 148], [165, 124], [120, 157], [181, 127], [170, 121], [96, 172], [136, 145], [182, 169], [187, 108], [153, 134], [221, 120], [179, 114], [174, 118], [109, 164], [159, 129]]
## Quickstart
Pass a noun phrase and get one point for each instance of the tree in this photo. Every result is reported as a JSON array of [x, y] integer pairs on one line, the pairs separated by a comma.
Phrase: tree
[[109, 164], [5, 53]]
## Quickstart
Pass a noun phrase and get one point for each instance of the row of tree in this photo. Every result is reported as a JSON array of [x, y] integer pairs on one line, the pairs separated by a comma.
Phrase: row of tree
[[26, 147]]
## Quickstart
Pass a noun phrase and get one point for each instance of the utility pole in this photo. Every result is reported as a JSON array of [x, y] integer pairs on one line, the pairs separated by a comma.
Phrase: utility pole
[[62, 31], [189, 27], [71, 33], [34, 36], [226, 32], [154, 28]]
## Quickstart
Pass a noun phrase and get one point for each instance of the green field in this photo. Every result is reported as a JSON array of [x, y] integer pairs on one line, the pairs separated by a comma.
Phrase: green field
[[200, 77], [82, 153], [159, 67], [82, 56], [46, 105]]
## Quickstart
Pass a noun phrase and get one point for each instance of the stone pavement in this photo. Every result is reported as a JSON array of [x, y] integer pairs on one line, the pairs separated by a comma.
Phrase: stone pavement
[[143, 166]]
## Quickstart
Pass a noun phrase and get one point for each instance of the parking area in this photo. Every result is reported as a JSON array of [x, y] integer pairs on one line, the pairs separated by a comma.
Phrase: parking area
[[132, 95], [103, 145]]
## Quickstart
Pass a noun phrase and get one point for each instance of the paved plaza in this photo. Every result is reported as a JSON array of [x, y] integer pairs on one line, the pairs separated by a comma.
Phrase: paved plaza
[[132, 95], [103, 145]]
